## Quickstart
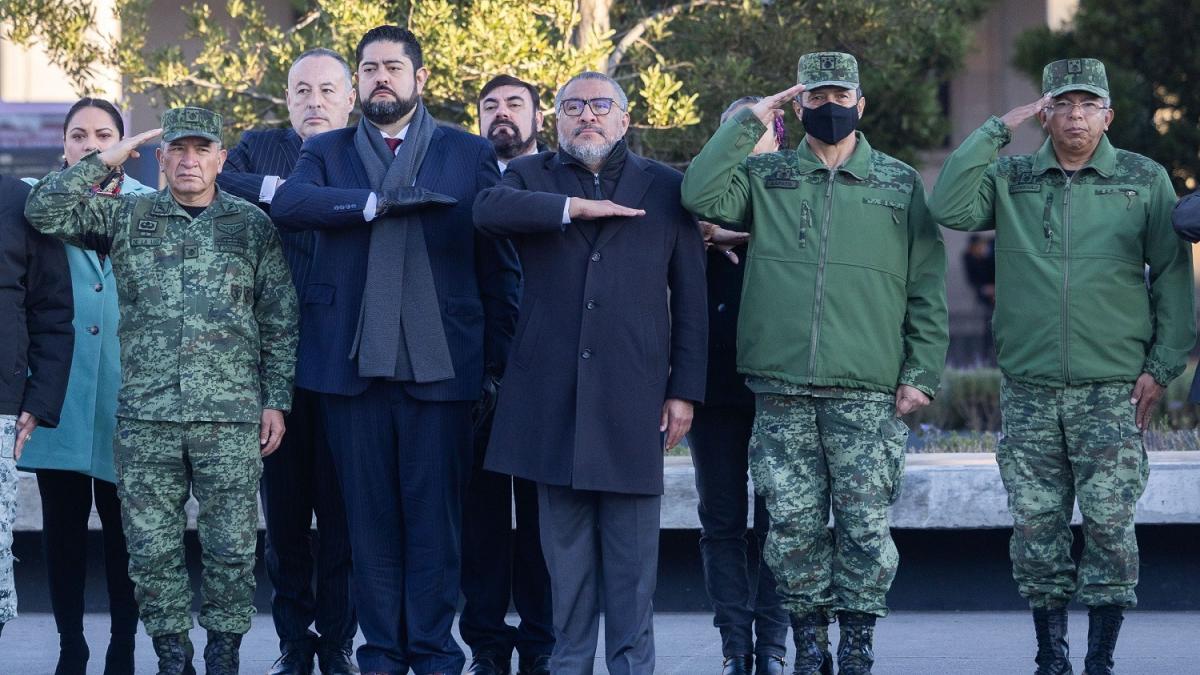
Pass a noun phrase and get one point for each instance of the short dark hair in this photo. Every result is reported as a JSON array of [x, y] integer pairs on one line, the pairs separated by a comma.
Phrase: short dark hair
[[89, 102], [509, 81], [412, 47]]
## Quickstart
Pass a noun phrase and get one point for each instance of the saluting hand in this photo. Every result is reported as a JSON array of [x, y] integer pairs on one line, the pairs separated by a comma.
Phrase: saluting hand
[[127, 149], [1013, 118], [591, 209], [765, 109], [270, 431]]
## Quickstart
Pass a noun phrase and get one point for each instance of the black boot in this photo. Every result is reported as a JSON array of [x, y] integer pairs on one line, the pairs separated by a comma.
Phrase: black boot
[[811, 634], [174, 652], [769, 664], [1104, 624], [118, 660], [738, 664], [854, 654], [72, 654], [1053, 654], [334, 658], [295, 658], [222, 654]]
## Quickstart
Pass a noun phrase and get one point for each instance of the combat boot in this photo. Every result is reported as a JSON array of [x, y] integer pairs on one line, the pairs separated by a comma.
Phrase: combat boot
[[1053, 654], [811, 635], [222, 653], [1104, 624], [854, 654], [175, 653]]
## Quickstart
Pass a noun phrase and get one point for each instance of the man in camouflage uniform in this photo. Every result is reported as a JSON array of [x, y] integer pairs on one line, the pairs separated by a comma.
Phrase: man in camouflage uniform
[[208, 340], [842, 330], [1086, 337]]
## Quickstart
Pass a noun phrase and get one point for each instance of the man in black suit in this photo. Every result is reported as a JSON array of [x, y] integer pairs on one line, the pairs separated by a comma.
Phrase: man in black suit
[[299, 480], [499, 564], [608, 361], [403, 306]]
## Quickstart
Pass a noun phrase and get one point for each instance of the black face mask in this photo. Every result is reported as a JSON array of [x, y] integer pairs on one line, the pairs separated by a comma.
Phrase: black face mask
[[831, 122]]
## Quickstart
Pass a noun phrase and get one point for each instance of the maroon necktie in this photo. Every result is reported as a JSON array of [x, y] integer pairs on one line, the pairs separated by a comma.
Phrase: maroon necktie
[[393, 143]]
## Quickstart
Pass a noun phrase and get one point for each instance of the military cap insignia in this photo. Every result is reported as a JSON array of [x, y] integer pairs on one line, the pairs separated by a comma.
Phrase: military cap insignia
[[1074, 67], [827, 63]]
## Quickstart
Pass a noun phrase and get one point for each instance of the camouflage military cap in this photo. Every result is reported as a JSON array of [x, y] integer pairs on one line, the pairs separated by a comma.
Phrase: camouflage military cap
[[1074, 75], [187, 122], [827, 69]]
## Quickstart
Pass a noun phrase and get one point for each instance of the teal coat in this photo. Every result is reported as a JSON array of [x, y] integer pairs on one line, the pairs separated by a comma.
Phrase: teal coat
[[82, 442]]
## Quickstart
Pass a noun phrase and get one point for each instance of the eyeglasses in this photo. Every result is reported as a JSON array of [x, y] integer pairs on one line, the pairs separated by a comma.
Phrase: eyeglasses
[[573, 107], [1088, 108]]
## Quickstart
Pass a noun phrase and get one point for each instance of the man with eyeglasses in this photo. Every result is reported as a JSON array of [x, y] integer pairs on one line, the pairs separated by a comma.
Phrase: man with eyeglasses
[[608, 361], [1087, 340]]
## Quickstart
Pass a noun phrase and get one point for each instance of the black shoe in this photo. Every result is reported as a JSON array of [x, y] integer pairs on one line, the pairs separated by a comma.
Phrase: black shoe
[[222, 654], [174, 652], [295, 658], [487, 663], [769, 664], [538, 665], [335, 658], [854, 654], [811, 635], [738, 664], [72, 654], [118, 660], [1104, 624], [1053, 654]]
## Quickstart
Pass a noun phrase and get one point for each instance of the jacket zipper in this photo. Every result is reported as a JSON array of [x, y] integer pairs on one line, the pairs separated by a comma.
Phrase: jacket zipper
[[596, 186], [1066, 292], [819, 296]]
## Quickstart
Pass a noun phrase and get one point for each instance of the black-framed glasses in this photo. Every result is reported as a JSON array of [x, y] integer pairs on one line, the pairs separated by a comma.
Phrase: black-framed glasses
[[573, 107]]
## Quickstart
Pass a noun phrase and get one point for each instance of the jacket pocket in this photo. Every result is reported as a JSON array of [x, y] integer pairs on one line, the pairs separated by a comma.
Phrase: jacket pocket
[[894, 432], [528, 334], [652, 341]]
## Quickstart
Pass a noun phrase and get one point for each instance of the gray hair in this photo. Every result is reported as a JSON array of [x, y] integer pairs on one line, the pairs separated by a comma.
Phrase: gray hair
[[621, 98], [322, 51], [745, 100]]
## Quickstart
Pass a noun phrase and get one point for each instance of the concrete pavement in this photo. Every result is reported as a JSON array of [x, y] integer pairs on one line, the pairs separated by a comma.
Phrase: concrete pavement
[[909, 643]]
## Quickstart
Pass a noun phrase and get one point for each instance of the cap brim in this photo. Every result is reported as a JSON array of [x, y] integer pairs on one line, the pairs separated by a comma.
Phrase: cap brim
[[1091, 89], [809, 86], [176, 135]]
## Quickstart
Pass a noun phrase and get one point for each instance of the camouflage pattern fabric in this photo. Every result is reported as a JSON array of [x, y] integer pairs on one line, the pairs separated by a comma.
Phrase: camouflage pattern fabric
[[810, 453], [157, 463], [190, 122], [1074, 75], [1059, 445], [827, 69], [208, 310], [8, 514]]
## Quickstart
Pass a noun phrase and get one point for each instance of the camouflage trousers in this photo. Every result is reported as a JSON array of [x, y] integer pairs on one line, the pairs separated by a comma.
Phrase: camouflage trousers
[[1059, 445], [8, 514], [808, 454], [157, 463]]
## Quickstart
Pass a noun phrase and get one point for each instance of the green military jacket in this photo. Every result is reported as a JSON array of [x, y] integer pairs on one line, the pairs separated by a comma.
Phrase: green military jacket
[[208, 312], [845, 273], [1074, 301]]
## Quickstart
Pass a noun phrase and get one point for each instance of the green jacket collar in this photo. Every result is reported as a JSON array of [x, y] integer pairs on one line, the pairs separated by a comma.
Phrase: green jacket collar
[[1103, 161], [165, 205], [859, 164]]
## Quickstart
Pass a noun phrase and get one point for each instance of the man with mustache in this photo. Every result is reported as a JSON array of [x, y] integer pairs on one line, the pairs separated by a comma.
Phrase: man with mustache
[[499, 564], [299, 479], [1086, 337], [208, 342], [608, 362], [403, 307]]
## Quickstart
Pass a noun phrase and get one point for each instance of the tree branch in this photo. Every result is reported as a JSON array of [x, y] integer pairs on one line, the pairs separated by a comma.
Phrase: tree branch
[[637, 30], [200, 83]]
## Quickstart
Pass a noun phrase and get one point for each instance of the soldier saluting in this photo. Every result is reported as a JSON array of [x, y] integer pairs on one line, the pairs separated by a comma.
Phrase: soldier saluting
[[208, 341]]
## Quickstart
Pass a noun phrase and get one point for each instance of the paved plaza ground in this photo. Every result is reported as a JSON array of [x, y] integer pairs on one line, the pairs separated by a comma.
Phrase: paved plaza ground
[[909, 643]]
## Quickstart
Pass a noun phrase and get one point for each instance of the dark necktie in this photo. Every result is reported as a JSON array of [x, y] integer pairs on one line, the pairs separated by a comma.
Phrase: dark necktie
[[393, 143]]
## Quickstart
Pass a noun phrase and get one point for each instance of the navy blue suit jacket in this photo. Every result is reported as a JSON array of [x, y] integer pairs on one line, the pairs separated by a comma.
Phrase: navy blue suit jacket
[[476, 277], [271, 152]]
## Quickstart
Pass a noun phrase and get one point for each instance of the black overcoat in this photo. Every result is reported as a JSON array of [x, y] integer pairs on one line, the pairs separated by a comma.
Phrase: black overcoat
[[608, 329]]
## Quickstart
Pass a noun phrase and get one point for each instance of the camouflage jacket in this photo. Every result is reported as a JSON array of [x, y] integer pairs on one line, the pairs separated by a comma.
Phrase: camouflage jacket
[[1074, 302], [208, 311], [845, 273]]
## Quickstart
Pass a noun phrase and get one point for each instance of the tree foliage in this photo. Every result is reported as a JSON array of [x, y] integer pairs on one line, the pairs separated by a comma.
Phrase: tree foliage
[[681, 61], [1152, 57]]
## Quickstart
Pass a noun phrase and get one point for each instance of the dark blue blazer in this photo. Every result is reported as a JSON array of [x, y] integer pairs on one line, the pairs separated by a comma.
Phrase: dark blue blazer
[[271, 152], [476, 277]]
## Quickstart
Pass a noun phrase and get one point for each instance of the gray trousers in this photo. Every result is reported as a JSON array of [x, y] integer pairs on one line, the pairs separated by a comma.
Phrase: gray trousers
[[601, 545]]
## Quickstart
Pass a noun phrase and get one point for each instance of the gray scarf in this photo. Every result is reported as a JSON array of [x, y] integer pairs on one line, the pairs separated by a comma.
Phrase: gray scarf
[[400, 334]]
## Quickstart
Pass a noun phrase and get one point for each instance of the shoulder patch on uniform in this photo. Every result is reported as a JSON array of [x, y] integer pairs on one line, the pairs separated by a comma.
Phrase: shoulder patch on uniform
[[147, 226], [231, 227], [1023, 180]]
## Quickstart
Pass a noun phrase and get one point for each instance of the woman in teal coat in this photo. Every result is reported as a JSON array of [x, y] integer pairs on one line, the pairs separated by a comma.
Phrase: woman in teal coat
[[74, 462]]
